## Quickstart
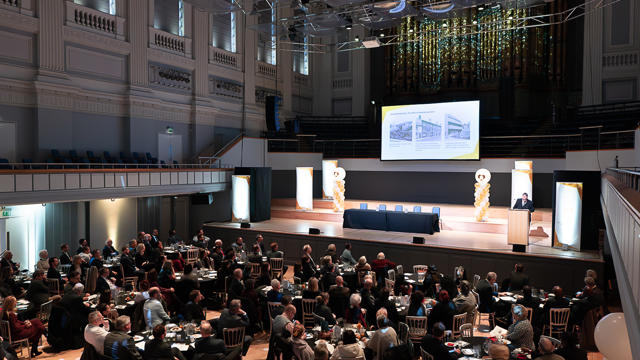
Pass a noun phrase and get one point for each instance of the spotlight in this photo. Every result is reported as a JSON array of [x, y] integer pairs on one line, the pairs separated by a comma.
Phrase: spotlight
[[381, 35], [373, 102], [357, 38], [348, 27], [444, 25], [510, 17], [480, 8]]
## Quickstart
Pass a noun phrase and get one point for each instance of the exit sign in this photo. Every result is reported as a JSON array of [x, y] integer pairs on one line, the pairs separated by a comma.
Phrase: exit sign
[[6, 212]]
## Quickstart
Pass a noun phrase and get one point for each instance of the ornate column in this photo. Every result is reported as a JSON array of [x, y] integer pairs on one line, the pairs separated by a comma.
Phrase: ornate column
[[592, 55], [51, 38], [140, 16]]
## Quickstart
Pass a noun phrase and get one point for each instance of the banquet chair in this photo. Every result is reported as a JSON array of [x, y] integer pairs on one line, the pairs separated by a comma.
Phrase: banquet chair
[[271, 307], [390, 285], [131, 280], [192, 256], [45, 312], [255, 270], [277, 264], [466, 330], [391, 275], [558, 320], [417, 208], [399, 270], [476, 279], [382, 207], [403, 333], [425, 355], [54, 286], [21, 344], [297, 281], [308, 305], [420, 268], [233, 337], [64, 269], [458, 320], [363, 206], [92, 278], [417, 327], [399, 208]]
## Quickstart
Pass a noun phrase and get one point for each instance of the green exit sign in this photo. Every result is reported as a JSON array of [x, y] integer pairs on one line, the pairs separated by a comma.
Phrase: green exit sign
[[6, 212]]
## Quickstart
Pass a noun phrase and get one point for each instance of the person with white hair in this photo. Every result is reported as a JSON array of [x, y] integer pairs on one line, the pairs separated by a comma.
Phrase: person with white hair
[[119, 344], [381, 265], [43, 263], [520, 333], [109, 250], [355, 314], [274, 295], [96, 331], [78, 310], [362, 264]]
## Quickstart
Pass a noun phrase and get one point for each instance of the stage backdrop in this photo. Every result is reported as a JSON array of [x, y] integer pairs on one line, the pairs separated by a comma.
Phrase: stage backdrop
[[591, 211], [259, 191]]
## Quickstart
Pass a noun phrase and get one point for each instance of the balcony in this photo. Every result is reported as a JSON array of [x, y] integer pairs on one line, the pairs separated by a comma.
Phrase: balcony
[[94, 21], [28, 186], [175, 44], [266, 70], [225, 58]]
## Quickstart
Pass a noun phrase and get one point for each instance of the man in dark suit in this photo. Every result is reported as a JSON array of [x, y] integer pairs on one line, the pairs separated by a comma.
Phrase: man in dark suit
[[158, 349], [53, 272], [155, 238], [486, 292], [524, 203], [38, 293], [128, 264], [82, 243], [65, 257], [237, 286], [119, 344], [103, 283], [260, 243], [213, 348], [7, 262], [432, 343], [339, 297], [192, 310], [558, 301], [78, 310], [518, 279], [323, 310], [234, 317]]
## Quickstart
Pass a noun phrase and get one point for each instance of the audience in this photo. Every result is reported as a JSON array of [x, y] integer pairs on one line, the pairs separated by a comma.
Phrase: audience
[[520, 333], [118, 344], [432, 344], [383, 338], [355, 314], [569, 349], [346, 257], [65, 257], [465, 302], [349, 348], [27, 329], [518, 279], [154, 312], [546, 349], [108, 250], [443, 311], [301, 348], [362, 264], [43, 263], [158, 349], [96, 331], [486, 292], [234, 317], [323, 310], [274, 295], [499, 352]]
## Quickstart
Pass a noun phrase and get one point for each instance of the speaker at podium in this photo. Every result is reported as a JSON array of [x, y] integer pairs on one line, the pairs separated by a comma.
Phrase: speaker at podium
[[518, 229]]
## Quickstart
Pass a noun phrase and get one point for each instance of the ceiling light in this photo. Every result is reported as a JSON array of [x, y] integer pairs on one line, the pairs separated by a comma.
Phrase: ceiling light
[[444, 25], [371, 42], [348, 27], [357, 38], [480, 8], [381, 34], [510, 17]]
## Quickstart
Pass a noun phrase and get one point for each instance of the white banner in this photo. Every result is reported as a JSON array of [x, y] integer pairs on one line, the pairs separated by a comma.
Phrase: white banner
[[304, 188], [568, 214], [521, 182], [240, 209], [328, 167]]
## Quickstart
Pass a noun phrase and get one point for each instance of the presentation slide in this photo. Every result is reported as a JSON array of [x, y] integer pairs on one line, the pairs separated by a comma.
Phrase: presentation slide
[[441, 131]]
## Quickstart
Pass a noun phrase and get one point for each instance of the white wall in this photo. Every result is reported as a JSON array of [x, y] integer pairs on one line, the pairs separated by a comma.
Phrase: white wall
[[247, 152], [600, 160], [116, 220]]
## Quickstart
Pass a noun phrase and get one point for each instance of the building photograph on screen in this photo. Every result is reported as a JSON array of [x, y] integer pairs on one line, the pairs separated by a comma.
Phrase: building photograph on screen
[[439, 131]]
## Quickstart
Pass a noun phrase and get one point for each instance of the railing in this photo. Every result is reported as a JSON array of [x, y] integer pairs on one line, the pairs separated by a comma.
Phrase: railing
[[266, 70], [169, 42], [94, 20], [342, 83], [300, 79], [14, 3], [620, 59], [490, 146], [622, 219], [214, 161], [4, 167], [225, 58]]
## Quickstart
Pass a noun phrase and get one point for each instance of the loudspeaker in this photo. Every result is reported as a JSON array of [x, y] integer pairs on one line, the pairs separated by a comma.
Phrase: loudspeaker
[[418, 240], [520, 248], [272, 112], [314, 231], [245, 225]]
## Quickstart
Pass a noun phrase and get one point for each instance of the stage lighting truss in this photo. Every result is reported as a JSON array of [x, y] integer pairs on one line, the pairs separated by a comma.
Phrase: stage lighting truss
[[514, 23]]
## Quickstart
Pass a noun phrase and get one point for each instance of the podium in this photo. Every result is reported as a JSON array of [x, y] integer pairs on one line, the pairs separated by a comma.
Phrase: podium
[[518, 232]]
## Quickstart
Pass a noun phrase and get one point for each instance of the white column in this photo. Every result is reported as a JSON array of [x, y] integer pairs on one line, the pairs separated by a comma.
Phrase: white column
[[138, 12], [247, 45], [51, 38]]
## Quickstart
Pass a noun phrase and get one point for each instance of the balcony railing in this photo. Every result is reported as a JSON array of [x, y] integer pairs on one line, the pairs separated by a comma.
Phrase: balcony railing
[[224, 58], [266, 70], [94, 20], [169, 42]]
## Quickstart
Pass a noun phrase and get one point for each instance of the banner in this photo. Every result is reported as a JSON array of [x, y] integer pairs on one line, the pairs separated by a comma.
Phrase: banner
[[304, 188], [240, 211], [568, 215], [328, 167], [521, 182]]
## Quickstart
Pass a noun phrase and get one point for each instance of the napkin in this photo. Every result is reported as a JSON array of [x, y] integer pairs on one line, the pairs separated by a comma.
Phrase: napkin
[[140, 345], [181, 347]]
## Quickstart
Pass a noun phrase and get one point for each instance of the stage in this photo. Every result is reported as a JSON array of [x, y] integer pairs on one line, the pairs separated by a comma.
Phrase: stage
[[479, 247]]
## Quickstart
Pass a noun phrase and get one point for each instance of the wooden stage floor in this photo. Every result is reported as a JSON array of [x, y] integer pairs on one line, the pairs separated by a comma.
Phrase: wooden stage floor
[[446, 239]]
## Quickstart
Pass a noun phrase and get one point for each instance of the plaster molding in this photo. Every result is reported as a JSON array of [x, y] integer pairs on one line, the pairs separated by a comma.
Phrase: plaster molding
[[96, 41], [20, 22], [163, 57]]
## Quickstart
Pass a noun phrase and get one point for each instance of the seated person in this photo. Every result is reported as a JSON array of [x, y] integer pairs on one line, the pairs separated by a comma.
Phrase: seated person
[[432, 344], [234, 317], [192, 310], [443, 311], [96, 331], [350, 349], [53, 272], [546, 349], [118, 344], [355, 314], [312, 290], [323, 310], [158, 349], [557, 301], [301, 348], [520, 333], [486, 292], [346, 257], [154, 312], [499, 352], [465, 301], [274, 295], [569, 349], [109, 250], [518, 279], [383, 338], [28, 329], [38, 293]]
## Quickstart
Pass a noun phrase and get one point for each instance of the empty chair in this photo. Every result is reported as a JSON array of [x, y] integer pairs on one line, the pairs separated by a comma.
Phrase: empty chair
[[466, 330], [399, 208], [399, 269], [108, 157], [55, 154], [391, 274], [363, 206], [74, 156], [92, 157], [417, 208], [417, 327], [558, 320], [308, 305], [233, 337], [4, 164], [277, 265], [151, 159], [382, 207]]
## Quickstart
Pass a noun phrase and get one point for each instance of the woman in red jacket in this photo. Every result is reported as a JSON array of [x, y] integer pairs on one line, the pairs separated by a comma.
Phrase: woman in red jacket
[[28, 329]]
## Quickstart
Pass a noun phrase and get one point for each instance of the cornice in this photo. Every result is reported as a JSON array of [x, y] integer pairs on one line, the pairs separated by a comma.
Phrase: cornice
[[95, 40], [163, 57]]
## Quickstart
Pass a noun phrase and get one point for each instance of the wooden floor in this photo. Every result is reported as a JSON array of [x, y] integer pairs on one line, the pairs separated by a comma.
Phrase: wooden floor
[[475, 241], [259, 347]]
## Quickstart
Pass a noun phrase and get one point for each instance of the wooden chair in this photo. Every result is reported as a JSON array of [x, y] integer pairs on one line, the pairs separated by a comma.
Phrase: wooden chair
[[64, 269], [558, 320], [45, 312], [403, 333], [54, 286], [417, 327], [466, 330], [297, 280], [271, 307], [390, 284], [21, 344], [92, 278], [458, 320], [425, 355], [277, 264], [308, 305], [233, 337], [192, 256], [399, 270], [254, 270], [420, 268], [391, 275]]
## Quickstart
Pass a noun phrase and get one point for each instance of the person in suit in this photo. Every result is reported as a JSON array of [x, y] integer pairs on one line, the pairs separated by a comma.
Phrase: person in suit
[[173, 238], [518, 279], [274, 295], [558, 301], [260, 243], [234, 317], [109, 250], [486, 292], [525, 203], [546, 349], [53, 272], [7, 262], [237, 286], [38, 293], [96, 259], [78, 310], [323, 310], [209, 345], [569, 349], [103, 283], [339, 297], [118, 344], [192, 310], [432, 343], [332, 252], [158, 349], [65, 257], [155, 238], [591, 297], [128, 264], [82, 243]]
